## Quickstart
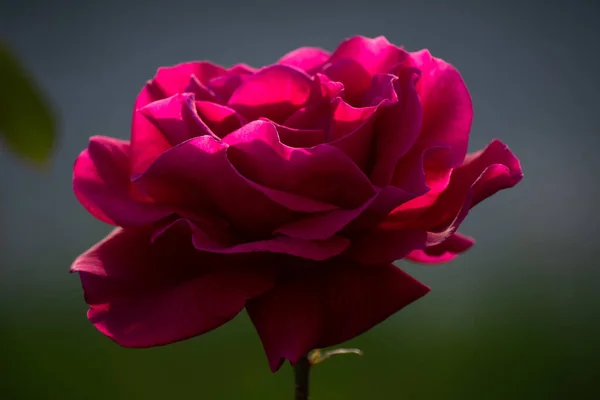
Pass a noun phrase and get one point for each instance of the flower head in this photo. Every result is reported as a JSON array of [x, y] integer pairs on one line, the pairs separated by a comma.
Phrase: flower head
[[287, 190]]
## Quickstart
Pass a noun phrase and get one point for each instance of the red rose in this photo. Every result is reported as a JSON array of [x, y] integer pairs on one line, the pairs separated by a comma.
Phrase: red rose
[[288, 190]]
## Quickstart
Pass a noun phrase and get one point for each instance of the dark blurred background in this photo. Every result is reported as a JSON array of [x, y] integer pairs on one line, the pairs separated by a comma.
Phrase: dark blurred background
[[516, 317]]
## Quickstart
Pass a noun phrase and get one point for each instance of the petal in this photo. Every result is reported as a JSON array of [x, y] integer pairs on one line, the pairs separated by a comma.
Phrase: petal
[[200, 91], [224, 86], [299, 137], [386, 245], [353, 76], [147, 142], [220, 119], [101, 184], [447, 118], [325, 224], [144, 294], [397, 127], [175, 79], [352, 132], [444, 252], [205, 240], [308, 59], [321, 305], [274, 92], [481, 175], [176, 118], [197, 176], [375, 55], [321, 173]]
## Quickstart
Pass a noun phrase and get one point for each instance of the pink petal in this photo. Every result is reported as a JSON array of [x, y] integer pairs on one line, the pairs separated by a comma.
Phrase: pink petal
[[200, 91], [397, 127], [274, 92], [176, 118], [321, 305], [224, 86], [321, 173], [481, 175], [444, 252], [144, 294], [447, 117], [205, 240], [325, 224], [173, 80], [375, 55], [353, 76], [101, 184], [308, 59], [197, 175], [147, 142], [299, 137], [220, 119], [352, 132]]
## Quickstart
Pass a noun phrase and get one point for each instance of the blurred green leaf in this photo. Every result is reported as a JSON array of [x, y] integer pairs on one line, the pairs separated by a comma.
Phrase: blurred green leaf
[[26, 121]]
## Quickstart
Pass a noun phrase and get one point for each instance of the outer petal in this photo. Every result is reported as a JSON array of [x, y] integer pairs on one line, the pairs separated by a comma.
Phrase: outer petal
[[444, 252], [447, 118], [173, 80], [375, 55], [315, 306], [144, 294], [274, 92], [481, 175], [309, 59], [147, 142], [321, 172], [101, 184]]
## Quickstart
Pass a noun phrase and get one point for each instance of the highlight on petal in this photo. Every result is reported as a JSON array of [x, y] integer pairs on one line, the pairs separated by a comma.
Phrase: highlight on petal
[[321, 173], [176, 118], [444, 252], [101, 184], [447, 117], [319, 306], [375, 55], [175, 79], [274, 92], [224, 86], [144, 294], [309, 59], [147, 142]]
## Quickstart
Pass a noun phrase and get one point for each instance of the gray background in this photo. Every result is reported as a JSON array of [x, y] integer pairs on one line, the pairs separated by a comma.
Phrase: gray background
[[527, 290]]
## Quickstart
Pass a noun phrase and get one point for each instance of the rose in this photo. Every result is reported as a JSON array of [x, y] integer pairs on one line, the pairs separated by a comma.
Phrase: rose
[[288, 190]]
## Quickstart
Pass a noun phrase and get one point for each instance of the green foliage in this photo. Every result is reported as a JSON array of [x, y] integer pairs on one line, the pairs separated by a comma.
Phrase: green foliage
[[27, 125]]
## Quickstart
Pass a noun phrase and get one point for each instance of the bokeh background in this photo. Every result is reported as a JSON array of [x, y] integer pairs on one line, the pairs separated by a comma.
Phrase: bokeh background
[[516, 317]]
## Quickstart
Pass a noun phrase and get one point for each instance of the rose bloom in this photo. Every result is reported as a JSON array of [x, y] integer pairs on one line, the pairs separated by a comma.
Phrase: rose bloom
[[287, 190]]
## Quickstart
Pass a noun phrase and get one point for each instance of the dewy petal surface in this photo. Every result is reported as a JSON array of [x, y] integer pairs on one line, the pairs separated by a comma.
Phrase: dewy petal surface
[[315, 306], [101, 184], [144, 294]]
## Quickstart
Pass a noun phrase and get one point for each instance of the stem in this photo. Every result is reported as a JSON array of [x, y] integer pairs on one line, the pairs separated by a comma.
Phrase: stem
[[301, 373]]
